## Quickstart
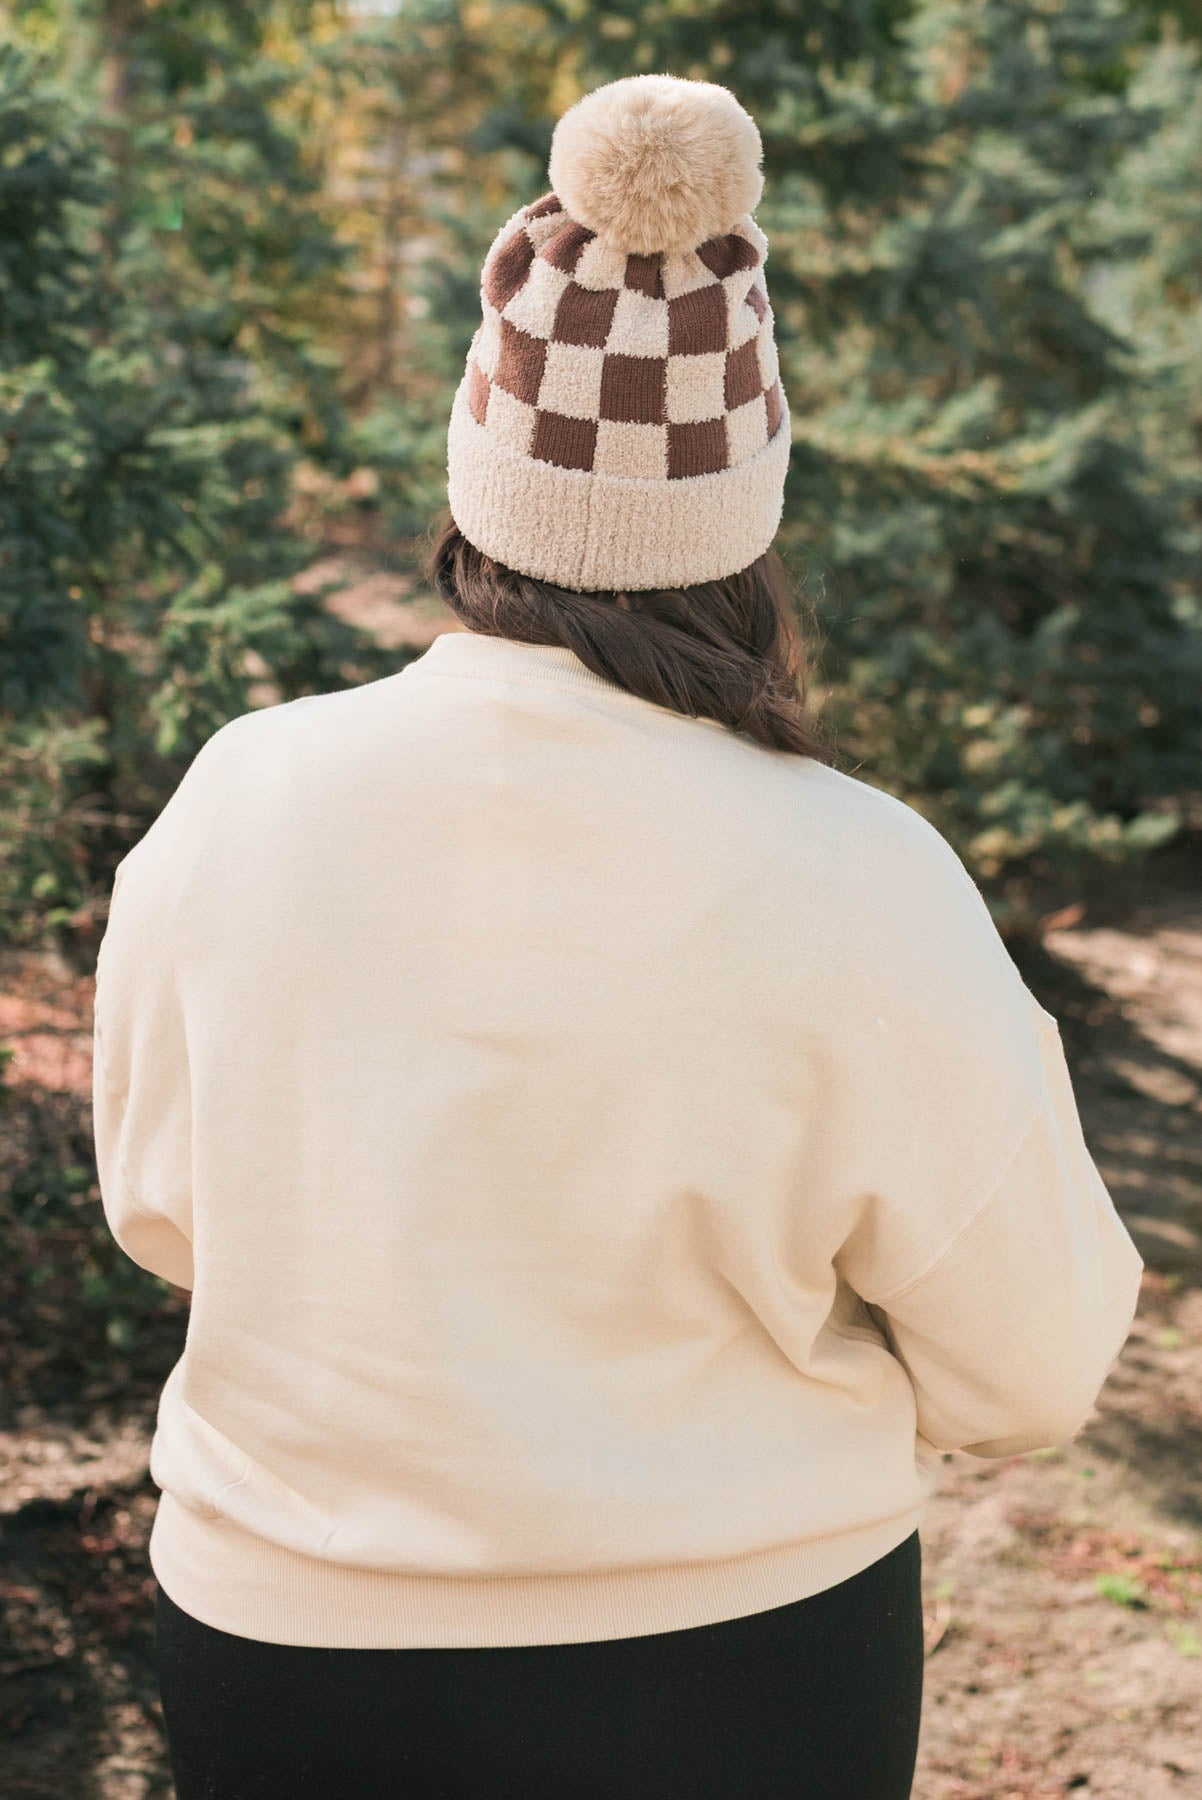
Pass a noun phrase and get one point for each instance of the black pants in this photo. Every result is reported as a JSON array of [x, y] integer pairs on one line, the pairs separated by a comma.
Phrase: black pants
[[818, 1700]]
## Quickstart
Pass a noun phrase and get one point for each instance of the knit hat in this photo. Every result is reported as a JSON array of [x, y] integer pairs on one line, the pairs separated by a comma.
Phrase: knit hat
[[621, 422]]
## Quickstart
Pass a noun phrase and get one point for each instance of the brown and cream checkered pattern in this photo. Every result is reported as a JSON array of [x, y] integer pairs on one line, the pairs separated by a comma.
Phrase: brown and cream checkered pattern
[[640, 366], [621, 422]]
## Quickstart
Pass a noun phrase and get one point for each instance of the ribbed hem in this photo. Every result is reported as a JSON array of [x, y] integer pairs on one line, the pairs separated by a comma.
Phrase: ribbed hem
[[242, 1584], [590, 532]]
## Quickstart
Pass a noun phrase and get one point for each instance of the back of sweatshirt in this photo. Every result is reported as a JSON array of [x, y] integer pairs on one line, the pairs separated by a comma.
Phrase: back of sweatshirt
[[611, 1161]]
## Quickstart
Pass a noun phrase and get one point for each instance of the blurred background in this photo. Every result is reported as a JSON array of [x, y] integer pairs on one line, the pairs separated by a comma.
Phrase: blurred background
[[239, 262]]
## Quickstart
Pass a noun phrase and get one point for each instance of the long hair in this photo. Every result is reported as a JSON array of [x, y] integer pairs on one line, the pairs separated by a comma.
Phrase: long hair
[[729, 650]]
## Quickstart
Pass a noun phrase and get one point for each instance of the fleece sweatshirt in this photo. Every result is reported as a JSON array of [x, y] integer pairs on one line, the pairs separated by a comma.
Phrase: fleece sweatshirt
[[612, 1163]]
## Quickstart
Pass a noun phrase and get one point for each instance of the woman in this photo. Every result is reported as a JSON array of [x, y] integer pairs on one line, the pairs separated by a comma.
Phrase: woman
[[611, 1151]]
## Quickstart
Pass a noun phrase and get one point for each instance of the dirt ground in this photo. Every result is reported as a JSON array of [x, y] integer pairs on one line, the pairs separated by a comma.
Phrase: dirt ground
[[1062, 1590]]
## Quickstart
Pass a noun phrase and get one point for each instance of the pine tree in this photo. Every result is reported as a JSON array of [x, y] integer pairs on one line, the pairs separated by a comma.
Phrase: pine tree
[[982, 269], [1155, 299], [1003, 571], [160, 387], [49, 186], [443, 125], [1018, 649]]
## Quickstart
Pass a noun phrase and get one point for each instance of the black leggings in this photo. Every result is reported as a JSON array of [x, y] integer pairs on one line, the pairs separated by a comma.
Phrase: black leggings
[[817, 1700]]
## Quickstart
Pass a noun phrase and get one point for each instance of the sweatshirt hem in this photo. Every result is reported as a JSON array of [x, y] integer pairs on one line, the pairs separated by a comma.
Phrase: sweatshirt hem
[[238, 1583]]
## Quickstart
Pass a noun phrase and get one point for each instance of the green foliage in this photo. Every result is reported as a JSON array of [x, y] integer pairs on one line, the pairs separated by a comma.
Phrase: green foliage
[[46, 818], [1183, 1637], [993, 490], [1124, 1590], [242, 245], [1001, 551], [71, 1302], [158, 390]]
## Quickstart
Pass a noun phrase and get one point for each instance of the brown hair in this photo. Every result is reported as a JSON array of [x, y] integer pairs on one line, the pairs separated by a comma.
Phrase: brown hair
[[729, 650]]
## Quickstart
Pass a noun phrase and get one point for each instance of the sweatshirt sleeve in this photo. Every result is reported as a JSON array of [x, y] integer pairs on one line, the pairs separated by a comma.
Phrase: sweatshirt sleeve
[[1010, 1333], [981, 1235], [141, 1113]]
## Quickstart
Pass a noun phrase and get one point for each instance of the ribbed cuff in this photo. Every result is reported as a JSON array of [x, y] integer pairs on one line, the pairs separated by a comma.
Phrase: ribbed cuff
[[592, 532]]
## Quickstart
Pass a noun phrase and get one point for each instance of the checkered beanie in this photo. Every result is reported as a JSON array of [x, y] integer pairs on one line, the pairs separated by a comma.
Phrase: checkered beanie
[[621, 422]]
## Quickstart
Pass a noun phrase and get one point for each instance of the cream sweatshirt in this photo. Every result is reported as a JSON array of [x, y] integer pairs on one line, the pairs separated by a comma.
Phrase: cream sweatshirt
[[611, 1162]]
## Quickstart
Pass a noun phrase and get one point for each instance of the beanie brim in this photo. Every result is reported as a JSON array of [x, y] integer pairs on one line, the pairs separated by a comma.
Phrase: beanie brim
[[591, 533]]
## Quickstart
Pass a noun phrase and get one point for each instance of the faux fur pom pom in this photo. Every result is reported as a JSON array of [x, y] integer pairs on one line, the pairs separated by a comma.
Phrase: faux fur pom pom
[[654, 162]]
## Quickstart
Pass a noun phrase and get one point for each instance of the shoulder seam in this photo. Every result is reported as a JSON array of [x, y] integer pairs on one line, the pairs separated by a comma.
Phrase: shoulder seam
[[970, 1219]]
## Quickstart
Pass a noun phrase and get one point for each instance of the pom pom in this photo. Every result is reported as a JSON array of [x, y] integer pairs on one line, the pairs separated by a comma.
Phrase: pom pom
[[655, 163]]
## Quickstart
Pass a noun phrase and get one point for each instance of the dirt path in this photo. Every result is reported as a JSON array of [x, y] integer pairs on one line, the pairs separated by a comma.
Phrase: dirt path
[[1064, 1643], [1063, 1590]]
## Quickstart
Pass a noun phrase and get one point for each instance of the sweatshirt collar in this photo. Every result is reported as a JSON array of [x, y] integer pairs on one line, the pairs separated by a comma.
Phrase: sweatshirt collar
[[464, 652]]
